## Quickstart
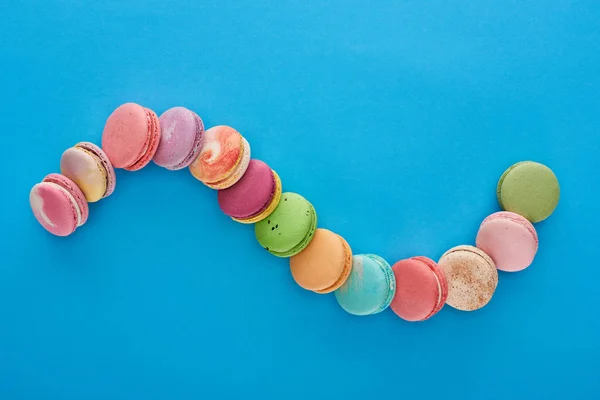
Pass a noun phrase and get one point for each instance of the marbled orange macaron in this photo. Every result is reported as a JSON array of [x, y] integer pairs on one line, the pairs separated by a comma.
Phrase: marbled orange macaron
[[324, 265], [223, 159]]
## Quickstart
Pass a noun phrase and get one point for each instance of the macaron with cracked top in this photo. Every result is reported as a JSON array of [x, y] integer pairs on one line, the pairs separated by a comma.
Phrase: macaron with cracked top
[[289, 228], [370, 287], [472, 277], [254, 197], [509, 239], [89, 167], [421, 289], [324, 265], [131, 136], [529, 189], [223, 159], [58, 205], [181, 138]]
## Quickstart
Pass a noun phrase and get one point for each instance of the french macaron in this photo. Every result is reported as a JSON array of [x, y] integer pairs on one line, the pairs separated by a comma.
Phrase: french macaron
[[223, 158], [89, 167], [131, 136], [472, 277], [289, 228], [509, 239], [180, 138], [421, 289], [58, 205], [529, 189], [370, 287], [324, 265], [254, 197]]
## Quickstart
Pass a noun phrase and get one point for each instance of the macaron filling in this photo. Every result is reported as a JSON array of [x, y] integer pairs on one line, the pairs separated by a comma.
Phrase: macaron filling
[[151, 143], [305, 241], [107, 168], [345, 271], [197, 144], [389, 277], [101, 167]]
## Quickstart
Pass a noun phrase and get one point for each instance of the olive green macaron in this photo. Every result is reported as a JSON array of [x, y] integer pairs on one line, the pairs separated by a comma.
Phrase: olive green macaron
[[290, 228], [530, 189]]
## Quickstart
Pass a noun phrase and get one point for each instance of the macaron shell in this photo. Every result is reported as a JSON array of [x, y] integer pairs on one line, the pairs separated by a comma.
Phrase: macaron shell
[[439, 274], [289, 228], [270, 208], [369, 288], [83, 168], [74, 191], [238, 172], [472, 277], [102, 158], [323, 263], [181, 134], [220, 154], [529, 189], [346, 270], [251, 194], [509, 239], [419, 292], [151, 146]]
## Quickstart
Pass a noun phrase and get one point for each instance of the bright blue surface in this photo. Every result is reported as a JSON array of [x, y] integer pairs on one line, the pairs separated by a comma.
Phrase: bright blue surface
[[395, 119]]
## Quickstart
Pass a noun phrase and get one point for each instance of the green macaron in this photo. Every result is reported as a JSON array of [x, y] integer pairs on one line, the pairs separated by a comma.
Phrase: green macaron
[[530, 189], [290, 228]]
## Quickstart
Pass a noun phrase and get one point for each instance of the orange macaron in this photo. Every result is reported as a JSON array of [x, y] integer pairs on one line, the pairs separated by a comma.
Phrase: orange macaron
[[324, 265]]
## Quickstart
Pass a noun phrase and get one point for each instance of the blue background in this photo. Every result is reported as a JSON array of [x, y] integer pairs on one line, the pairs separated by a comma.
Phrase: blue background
[[395, 119]]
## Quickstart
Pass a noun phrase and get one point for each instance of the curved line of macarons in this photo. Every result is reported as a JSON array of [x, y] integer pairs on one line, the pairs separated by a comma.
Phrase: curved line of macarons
[[132, 138]]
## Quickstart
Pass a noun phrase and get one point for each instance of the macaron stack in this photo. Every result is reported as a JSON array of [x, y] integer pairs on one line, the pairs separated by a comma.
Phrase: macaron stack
[[285, 223]]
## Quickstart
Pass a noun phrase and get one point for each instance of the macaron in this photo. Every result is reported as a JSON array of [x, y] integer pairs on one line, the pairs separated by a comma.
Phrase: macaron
[[223, 159], [421, 289], [254, 197], [509, 239], [131, 136], [89, 167], [529, 189], [370, 287], [289, 228], [180, 138], [472, 277], [324, 265], [58, 204]]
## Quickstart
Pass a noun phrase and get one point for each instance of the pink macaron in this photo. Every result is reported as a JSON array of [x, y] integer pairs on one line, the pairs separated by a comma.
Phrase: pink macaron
[[181, 138], [131, 136], [254, 196], [58, 204], [421, 289], [509, 239]]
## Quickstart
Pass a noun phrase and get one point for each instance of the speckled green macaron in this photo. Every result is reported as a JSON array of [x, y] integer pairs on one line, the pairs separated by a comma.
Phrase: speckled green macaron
[[530, 189], [290, 228]]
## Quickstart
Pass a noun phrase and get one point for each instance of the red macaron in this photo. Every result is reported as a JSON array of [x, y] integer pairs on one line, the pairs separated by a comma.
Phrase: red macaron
[[421, 289]]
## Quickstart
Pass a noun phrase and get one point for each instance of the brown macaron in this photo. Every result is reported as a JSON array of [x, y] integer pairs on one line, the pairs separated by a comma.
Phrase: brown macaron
[[324, 265], [472, 277]]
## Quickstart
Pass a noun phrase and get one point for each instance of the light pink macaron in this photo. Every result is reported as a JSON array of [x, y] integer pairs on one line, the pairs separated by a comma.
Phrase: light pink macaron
[[181, 138], [58, 204], [509, 239]]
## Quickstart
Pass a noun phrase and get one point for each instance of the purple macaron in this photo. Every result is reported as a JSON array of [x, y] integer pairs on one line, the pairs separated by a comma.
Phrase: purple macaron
[[181, 138]]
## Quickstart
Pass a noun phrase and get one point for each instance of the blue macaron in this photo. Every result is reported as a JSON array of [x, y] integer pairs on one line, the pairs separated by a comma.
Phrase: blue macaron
[[370, 287]]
